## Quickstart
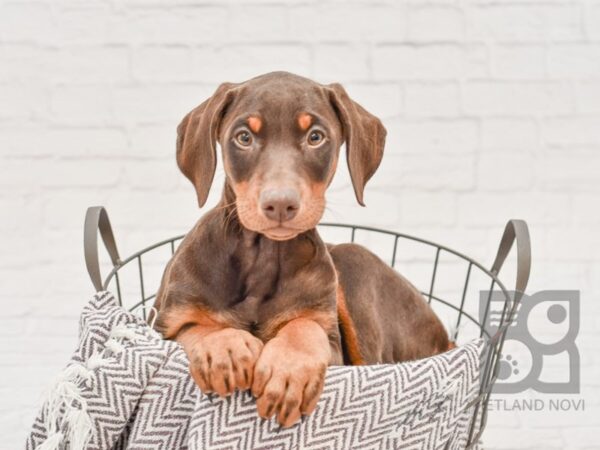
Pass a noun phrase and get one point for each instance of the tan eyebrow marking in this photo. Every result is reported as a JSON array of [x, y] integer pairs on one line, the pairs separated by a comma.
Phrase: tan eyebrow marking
[[254, 123], [304, 120]]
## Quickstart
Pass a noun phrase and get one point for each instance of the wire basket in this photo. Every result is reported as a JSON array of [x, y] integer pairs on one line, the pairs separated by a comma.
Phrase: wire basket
[[421, 262]]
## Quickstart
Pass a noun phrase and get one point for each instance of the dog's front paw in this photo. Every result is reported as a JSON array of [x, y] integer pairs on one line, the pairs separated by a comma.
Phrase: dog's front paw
[[224, 360], [288, 381]]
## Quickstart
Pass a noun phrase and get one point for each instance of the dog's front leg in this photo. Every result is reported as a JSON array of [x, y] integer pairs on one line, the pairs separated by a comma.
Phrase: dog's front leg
[[221, 356], [221, 360], [290, 372]]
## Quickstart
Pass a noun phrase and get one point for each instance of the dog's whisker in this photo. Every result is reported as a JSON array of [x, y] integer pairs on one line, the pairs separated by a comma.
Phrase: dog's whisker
[[227, 205]]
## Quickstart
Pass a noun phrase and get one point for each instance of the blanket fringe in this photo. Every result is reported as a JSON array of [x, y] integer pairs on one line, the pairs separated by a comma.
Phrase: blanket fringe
[[65, 411], [52, 442]]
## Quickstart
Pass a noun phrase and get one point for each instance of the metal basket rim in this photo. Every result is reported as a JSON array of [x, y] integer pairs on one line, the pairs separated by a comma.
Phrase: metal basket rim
[[477, 264]]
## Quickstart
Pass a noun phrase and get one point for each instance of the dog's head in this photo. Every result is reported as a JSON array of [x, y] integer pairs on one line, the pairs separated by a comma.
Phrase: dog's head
[[280, 135]]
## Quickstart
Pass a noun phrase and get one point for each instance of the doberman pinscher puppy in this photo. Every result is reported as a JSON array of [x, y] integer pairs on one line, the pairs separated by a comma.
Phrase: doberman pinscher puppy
[[253, 295]]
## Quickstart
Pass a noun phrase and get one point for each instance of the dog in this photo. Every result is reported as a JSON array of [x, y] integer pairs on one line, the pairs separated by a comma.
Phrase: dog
[[255, 297]]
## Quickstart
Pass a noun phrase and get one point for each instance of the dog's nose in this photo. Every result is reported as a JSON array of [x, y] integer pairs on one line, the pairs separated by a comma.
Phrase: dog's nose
[[280, 205]]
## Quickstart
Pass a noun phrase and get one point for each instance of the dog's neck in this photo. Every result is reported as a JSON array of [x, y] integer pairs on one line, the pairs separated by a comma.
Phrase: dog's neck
[[261, 263]]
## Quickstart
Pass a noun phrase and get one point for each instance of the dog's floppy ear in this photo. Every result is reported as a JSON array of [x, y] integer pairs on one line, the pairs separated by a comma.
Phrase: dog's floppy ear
[[197, 138], [364, 135]]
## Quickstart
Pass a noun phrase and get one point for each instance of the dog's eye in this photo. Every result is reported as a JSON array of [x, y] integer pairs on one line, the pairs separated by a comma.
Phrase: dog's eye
[[315, 137], [243, 138]]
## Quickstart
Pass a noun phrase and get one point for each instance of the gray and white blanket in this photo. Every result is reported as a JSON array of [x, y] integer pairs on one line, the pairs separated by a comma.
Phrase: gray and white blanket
[[127, 388]]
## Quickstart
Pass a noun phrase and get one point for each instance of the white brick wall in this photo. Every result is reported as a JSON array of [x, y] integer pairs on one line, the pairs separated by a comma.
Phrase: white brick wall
[[492, 107]]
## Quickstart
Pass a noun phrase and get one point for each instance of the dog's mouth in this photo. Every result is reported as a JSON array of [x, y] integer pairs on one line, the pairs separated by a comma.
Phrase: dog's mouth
[[281, 233], [254, 219]]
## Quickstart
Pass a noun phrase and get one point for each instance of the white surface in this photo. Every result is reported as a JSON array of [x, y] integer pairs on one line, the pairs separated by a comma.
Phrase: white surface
[[492, 110]]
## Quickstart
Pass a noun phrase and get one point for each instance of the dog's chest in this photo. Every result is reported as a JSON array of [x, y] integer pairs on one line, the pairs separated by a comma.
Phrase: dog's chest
[[266, 272]]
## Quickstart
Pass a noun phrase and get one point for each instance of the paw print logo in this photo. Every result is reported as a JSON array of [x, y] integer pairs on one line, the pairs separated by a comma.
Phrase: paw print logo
[[557, 314], [508, 367], [544, 327]]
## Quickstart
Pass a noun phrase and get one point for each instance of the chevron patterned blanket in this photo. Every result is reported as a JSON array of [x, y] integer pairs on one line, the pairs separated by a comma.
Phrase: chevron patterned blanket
[[126, 388]]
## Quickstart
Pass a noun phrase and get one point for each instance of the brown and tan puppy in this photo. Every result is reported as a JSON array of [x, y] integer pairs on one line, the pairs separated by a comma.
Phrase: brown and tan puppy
[[255, 297]]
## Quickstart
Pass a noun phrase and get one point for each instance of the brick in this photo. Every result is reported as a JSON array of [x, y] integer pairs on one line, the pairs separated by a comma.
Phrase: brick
[[518, 62], [585, 209], [588, 93], [353, 22], [382, 99], [57, 326], [55, 348], [98, 142], [505, 22], [155, 141], [258, 23], [583, 437], [509, 134], [160, 63], [63, 245], [157, 103], [574, 60], [178, 208], [551, 420], [26, 22], [25, 63], [432, 99], [496, 437], [435, 23], [523, 22], [45, 141], [25, 141], [565, 173], [90, 105], [20, 210], [430, 62], [512, 172], [568, 131], [91, 64], [490, 209], [517, 98], [18, 422], [85, 23], [20, 173], [426, 208], [592, 18], [239, 62], [433, 136], [341, 63], [559, 275], [248, 61], [17, 277], [564, 22], [182, 25], [65, 209], [431, 173], [19, 101], [153, 176], [29, 379], [80, 173], [343, 207]]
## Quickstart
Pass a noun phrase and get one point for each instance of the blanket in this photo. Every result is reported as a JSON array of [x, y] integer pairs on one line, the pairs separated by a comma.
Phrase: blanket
[[127, 388]]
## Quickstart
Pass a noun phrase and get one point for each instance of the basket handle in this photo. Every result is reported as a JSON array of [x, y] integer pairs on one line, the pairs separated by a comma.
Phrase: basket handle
[[96, 219], [515, 230]]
